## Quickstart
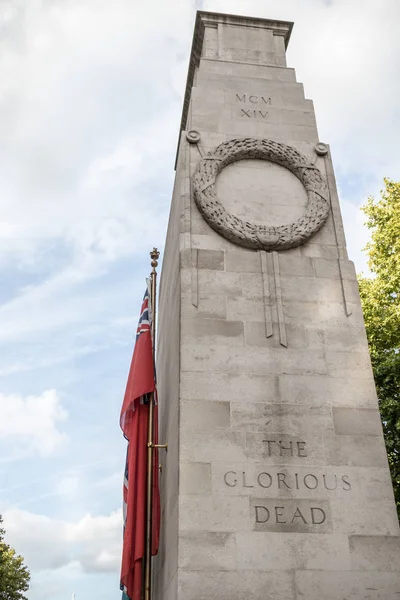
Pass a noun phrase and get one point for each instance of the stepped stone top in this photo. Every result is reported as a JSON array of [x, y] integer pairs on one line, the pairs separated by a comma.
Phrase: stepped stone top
[[210, 19]]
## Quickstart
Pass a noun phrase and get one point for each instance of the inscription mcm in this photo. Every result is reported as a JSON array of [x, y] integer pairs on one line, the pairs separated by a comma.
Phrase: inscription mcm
[[253, 113]]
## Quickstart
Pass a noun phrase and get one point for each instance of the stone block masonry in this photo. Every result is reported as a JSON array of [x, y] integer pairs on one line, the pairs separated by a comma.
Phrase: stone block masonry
[[276, 483]]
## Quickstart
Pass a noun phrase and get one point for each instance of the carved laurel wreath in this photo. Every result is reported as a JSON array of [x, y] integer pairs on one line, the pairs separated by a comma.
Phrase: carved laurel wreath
[[247, 234]]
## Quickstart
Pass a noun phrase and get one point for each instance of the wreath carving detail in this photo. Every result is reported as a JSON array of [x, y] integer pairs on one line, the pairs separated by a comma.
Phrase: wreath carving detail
[[249, 235]]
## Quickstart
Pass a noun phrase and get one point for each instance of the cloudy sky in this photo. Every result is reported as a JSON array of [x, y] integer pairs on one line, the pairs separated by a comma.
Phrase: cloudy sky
[[90, 103]]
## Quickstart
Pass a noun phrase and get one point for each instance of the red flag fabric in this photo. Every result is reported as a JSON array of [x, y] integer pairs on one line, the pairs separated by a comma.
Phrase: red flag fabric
[[134, 423]]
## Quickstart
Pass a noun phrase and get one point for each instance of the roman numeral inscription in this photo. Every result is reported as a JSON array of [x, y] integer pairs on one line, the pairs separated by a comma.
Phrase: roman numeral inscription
[[252, 99], [253, 114]]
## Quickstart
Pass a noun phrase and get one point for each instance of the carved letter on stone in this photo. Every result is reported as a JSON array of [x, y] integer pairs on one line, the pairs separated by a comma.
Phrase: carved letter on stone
[[262, 517]]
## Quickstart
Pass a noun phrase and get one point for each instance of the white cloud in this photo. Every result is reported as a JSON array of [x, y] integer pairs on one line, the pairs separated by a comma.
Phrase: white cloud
[[84, 116], [87, 131], [100, 538], [30, 424], [357, 235], [93, 542], [56, 583]]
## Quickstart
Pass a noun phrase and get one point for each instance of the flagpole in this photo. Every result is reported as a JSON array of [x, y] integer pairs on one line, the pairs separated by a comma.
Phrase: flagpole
[[154, 254]]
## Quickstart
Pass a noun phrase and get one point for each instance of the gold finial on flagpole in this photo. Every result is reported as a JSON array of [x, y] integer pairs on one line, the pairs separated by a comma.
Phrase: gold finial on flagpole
[[154, 255]]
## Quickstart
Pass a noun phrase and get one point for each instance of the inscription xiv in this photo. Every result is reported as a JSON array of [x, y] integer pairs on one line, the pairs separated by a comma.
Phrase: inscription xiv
[[256, 110]]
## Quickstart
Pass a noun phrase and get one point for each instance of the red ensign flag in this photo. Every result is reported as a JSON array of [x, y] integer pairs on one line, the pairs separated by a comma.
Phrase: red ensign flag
[[134, 424]]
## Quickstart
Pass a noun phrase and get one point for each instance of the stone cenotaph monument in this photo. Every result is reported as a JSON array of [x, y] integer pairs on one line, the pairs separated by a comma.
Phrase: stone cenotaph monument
[[276, 483]]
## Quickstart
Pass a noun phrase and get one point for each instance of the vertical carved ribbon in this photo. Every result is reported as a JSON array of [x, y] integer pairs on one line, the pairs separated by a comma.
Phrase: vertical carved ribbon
[[329, 172], [194, 282], [187, 191], [188, 235], [278, 290], [347, 310], [187, 218], [266, 294], [220, 39]]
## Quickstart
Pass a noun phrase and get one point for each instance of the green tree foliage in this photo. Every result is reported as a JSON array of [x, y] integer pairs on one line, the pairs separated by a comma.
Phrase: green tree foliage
[[380, 297], [14, 576]]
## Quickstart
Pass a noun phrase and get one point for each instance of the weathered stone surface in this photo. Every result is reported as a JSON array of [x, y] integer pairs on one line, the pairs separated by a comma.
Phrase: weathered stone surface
[[327, 552], [204, 446], [358, 450], [208, 513], [306, 289], [276, 360], [204, 357], [353, 421], [315, 250], [213, 331], [203, 414], [342, 364], [374, 483], [210, 306], [252, 287], [232, 386], [238, 307], [258, 361], [358, 517], [210, 259], [345, 339], [213, 282], [211, 551], [204, 259], [208, 237], [335, 391], [375, 553], [324, 267], [195, 478], [276, 482], [300, 337], [347, 585], [290, 418], [243, 261], [235, 585], [296, 266], [327, 314], [225, 68]]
